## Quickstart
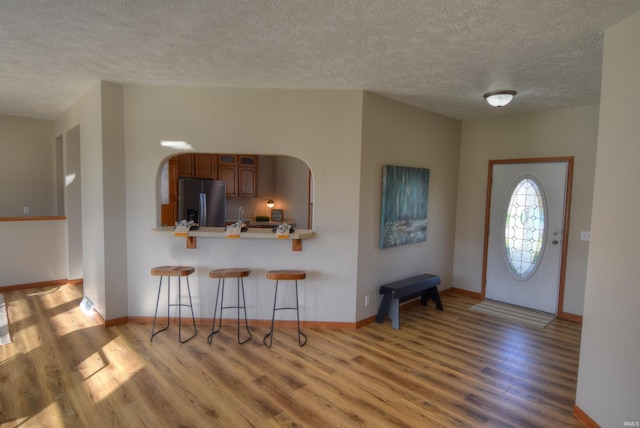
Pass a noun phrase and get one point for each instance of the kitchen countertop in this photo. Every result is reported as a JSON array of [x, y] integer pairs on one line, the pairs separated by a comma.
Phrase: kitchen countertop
[[252, 233]]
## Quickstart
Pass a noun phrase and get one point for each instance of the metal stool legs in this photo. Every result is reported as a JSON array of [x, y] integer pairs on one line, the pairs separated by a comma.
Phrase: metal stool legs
[[179, 305], [220, 293], [269, 335]]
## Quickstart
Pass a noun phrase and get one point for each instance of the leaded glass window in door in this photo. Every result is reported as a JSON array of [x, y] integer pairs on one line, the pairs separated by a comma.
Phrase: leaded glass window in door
[[524, 229]]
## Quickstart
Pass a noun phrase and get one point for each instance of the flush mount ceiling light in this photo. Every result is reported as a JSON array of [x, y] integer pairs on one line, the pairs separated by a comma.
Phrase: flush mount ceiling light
[[499, 98]]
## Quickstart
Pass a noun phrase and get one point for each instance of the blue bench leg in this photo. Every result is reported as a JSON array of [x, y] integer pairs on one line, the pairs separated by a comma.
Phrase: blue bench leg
[[432, 294], [383, 310], [394, 313]]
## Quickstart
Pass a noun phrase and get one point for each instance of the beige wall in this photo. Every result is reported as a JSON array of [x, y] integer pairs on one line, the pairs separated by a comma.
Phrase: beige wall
[[43, 241], [560, 132], [27, 167], [114, 184], [398, 134], [86, 112], [609, 373], [323, 128]]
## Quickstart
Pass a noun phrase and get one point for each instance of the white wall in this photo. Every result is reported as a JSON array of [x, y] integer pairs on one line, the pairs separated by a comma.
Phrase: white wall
[[27, 167], [33, 251], [73, 201], [398, 134], [323, 128], [87, 112], [609, 374], [558, 132]]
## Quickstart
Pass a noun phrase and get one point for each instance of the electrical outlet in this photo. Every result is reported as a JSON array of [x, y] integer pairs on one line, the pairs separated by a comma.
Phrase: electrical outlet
[[366, 300], [26, 210]]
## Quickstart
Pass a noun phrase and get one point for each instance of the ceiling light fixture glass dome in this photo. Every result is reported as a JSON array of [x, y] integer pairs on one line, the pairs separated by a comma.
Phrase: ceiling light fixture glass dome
[[499, 98]]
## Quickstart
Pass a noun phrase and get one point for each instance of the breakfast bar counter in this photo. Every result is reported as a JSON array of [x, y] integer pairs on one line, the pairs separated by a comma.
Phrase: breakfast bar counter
[[295, 237]]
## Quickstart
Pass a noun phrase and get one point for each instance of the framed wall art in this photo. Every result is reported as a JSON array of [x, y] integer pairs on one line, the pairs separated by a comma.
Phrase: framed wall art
[[403, 214], [277, 215]]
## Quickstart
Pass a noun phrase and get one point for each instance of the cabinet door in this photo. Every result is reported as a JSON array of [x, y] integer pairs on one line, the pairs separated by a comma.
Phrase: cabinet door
[[185, 165], [206, 165], [247, 175], [227, 160], [229, 173], [247, 181], [248, 160]]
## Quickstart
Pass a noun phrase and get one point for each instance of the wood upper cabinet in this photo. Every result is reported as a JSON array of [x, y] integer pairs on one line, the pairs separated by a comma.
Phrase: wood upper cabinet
[[247, 175], [205, 165], [228, 171], [240, 174], [198, 165], [185, 165]]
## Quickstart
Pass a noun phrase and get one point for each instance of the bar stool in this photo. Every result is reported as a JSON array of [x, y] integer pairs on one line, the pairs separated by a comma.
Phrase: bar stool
[[170, 271], [221, 274], [285, 275]]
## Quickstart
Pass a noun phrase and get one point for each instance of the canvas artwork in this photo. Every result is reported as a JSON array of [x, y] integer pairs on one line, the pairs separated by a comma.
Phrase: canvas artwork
[[403, 216]]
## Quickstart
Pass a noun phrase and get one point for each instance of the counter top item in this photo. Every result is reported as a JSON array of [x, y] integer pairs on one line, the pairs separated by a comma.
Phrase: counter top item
[[253, 233]]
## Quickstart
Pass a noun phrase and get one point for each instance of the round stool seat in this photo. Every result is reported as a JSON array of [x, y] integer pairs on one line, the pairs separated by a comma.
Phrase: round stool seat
[[283, 275], [230, 273], [172, 270]]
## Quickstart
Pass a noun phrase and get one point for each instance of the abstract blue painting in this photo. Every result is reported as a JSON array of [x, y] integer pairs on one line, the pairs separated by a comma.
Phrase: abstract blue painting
[[403, 216]]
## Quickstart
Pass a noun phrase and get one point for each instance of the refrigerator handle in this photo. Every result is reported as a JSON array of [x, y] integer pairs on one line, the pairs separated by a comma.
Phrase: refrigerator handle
[[203, 209]]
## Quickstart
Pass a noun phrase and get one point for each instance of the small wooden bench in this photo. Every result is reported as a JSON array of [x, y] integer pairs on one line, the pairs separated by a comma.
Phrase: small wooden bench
[[424, 286]]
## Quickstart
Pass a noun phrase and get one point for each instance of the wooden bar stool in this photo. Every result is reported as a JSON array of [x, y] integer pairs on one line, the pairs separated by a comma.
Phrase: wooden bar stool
[[221, 274], [285, 275], [170, 271]]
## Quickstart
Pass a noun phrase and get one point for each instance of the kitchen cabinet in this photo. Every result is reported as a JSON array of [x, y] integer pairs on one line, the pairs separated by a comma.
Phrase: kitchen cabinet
[[185, 165], [240, 174], [247, 175], [198, 165], [205, 166], [228, 171]]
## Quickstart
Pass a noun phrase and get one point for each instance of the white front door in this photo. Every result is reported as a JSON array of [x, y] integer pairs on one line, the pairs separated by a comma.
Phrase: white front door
[[526, 223]]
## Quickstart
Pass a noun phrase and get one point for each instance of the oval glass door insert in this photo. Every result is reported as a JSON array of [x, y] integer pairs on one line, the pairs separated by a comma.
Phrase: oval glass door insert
[[524, 229]]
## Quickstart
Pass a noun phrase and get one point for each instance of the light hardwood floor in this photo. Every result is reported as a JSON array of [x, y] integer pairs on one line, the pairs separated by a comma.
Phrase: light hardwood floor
[[449, 368]]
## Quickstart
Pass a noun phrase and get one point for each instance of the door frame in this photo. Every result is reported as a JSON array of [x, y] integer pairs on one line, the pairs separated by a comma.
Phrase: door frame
[[565, 230]]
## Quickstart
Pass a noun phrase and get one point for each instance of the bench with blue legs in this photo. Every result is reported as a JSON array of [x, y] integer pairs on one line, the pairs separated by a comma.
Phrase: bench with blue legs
[[424, 286]]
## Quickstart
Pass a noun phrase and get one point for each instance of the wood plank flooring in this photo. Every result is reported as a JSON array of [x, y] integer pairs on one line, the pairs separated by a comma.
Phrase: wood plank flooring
[[449, 368]]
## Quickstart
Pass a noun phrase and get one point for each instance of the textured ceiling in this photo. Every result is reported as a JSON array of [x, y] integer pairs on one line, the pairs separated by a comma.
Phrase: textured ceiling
[[441, 55]]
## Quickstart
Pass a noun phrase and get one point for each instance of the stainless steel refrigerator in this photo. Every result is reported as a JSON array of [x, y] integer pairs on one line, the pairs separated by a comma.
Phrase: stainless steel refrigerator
[[203, 201]]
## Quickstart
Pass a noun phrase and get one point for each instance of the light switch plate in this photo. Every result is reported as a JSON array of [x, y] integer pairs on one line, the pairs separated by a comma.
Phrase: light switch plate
[[585, 236]]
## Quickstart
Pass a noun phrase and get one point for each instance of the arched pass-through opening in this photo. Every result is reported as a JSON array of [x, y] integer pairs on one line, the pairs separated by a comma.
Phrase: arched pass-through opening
[[250, 182]]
